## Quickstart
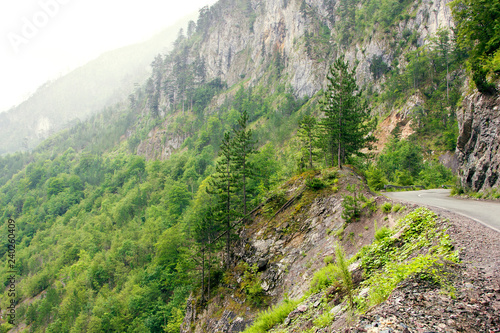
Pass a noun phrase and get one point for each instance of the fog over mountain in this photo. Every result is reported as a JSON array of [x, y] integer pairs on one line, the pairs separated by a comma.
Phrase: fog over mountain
[[88, 89]]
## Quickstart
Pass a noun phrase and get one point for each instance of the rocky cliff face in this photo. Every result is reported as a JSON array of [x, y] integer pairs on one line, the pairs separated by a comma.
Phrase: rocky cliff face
[[478, 145], [237, 47], [247, 42]]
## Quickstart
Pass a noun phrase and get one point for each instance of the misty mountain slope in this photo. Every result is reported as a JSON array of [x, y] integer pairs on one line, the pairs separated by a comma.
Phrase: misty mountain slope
[[114, 215], [102, 82]]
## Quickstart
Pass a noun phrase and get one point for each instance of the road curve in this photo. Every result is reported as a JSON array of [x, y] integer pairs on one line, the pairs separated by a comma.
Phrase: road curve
[[484, 212]]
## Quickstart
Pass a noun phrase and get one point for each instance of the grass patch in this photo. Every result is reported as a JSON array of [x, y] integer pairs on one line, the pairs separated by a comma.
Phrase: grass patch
[[267, 319], [397, 207], [322, 279], [324, 319]]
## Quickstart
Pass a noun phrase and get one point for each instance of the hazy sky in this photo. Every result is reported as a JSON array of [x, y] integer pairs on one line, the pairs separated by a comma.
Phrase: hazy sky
[[42, 39]]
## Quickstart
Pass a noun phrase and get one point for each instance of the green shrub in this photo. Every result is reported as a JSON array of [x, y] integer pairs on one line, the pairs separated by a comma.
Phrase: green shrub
[[386, 207], [397, 207], [343, 273], [322, 278], [370, 204], [351, 208], [434, 174], [6, 327], [251, 285], [418, 230], [375, 178], [315, 184], [329, 175], [403, 177], [383, 283], [382, 233]]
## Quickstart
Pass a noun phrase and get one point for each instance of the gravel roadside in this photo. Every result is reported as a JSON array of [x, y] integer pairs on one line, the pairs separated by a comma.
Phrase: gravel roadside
[[417, 306]]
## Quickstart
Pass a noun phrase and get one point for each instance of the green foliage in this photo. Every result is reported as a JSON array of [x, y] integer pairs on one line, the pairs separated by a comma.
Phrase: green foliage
[[251, 285], [273, 316], [435, 174], [324, 319], [400, 155], [386, 207], [343, 274], [351, 208], [383, 283], [315, 183], [346, 121], [402, 162], [417, 231], [378, 67], [114, 240], [478, 28], [275, 201], [397, 207], [382, 233], [104, 242], [308, 133], [375, 178], [370, 204], [328, 260], [323, 278], [384, 12], [203, 95]]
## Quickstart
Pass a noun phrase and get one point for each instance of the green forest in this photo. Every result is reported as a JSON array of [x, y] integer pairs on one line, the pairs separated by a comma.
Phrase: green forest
[[109, 241]]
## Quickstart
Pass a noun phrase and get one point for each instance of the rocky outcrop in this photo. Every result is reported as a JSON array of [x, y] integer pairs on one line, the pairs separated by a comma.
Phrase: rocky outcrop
[[161, 143], [478, 145], [287, 248]]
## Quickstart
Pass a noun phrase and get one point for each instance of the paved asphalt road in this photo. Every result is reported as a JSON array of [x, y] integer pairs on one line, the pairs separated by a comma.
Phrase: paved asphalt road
[[485, 212]]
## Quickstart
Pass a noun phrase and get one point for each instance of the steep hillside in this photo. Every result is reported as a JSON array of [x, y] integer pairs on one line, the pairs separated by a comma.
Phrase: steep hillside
[[269, 57], [407, 58], [410, 268]]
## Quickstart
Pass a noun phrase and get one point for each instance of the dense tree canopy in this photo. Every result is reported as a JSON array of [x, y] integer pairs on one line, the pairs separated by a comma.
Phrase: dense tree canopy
[[478, 29]]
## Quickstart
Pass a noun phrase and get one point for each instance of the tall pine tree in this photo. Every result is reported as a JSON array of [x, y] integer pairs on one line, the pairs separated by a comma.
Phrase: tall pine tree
[[206, 231], [243, 147], [223, 185], [346, 120], [308, 135]]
